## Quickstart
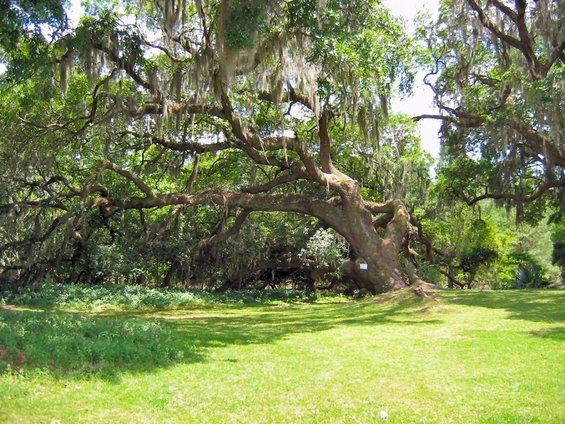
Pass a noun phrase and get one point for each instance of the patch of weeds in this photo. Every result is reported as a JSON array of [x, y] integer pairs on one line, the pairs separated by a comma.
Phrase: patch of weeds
[[83, 296], [71, 344]]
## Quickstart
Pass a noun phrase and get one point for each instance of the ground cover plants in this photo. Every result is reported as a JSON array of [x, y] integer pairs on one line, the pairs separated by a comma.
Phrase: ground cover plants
[[464, 357], [88, 296]]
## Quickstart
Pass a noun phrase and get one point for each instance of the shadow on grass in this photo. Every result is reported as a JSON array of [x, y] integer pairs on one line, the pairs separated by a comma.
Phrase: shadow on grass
[[557, 333], [217, 327], [79, 345], [530, 305]]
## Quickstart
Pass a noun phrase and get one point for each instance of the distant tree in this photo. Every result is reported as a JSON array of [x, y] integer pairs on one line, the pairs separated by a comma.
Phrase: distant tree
[[466, 242], [499, 70], [473, 259], [558, 240]]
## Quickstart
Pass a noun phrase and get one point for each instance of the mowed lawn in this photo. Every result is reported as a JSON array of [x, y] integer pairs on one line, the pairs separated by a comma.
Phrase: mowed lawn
[[466, 357]]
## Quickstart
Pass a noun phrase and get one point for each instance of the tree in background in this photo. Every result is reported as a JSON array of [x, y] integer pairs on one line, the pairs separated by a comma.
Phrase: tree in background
[[499, 71], [483, 246], [558, 240]]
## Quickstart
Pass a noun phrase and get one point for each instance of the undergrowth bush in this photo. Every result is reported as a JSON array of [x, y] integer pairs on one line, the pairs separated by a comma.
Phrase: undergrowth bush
[[72, 344], [84, 296]]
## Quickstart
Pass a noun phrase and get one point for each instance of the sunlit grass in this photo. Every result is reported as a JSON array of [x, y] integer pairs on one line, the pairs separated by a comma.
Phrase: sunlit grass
[[467, 357]]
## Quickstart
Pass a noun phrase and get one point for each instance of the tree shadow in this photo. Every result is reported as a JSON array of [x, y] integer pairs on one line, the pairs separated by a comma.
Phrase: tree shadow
[[530, 305], [557, 333], [268, 324], [106, 345]]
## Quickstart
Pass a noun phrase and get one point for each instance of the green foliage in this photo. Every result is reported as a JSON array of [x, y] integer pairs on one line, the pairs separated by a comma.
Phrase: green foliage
[[473, 258], [74, 345], [528, 274], [25, 29], [468, 236], [325, 247], [492, 143], [463, 178], [350, 38], [106, 28], [392, 166], [122, 296]]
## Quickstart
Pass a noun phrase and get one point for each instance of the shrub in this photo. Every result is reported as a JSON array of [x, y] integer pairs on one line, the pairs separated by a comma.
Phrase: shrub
[[84, 296], [65, 344]]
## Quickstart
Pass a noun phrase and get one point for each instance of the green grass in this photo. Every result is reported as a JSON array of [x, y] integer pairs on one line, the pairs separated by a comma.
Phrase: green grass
[[467, 357]]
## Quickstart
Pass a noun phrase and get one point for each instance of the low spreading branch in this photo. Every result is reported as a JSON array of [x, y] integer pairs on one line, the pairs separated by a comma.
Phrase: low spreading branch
[[130, 176]]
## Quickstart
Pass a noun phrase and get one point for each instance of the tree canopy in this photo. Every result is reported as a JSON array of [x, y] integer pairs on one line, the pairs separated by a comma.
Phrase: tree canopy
[[500, 72], [217, 142]]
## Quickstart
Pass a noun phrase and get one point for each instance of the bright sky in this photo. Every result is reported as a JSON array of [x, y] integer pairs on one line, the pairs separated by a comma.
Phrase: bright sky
[[421, 101], [75, 12]]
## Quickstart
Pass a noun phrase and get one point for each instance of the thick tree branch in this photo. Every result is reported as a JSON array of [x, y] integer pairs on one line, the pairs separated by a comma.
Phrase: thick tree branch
[[512, 196], [192, 147], [553, 153], [468, 122], [325, 146], [130, 176], [56, 223], [422, 237], [382, 220], [33, 204], [177, 107], [224, 235], [122, 63], [95, 99], [254, 202], [487, 23], [524, 43], [280, 180], [251, 139], [557, 53], [298, 97], [505, 9]]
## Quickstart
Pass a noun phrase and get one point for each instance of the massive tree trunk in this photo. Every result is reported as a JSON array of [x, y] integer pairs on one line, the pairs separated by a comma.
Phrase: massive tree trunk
[[377, 267]]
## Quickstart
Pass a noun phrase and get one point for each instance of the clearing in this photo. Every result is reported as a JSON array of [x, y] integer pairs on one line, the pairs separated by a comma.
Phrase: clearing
[[466, 357]]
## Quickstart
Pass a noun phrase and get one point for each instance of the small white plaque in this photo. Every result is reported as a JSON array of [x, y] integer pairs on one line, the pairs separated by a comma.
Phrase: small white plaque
[[363, 266]]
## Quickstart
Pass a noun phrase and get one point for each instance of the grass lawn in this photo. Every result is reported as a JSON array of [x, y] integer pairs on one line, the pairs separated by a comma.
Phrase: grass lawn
[[466, 357]]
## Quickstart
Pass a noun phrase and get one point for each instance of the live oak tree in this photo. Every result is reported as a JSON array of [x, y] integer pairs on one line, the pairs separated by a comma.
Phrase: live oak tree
[[499, 69], [145, 92]]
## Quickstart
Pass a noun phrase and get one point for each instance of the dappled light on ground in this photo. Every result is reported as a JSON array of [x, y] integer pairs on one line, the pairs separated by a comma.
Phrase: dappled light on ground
[[464, 357]]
